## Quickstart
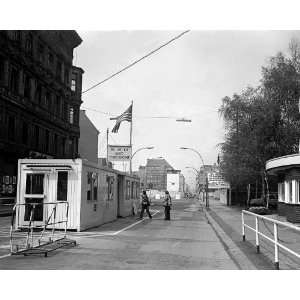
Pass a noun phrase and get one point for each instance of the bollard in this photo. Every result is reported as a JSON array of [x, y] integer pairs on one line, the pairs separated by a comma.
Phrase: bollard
[[256, 235], [243, 227], [276, 264]]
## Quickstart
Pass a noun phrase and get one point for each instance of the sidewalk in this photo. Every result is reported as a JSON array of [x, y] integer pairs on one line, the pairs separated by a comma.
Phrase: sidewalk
[[228, 218]]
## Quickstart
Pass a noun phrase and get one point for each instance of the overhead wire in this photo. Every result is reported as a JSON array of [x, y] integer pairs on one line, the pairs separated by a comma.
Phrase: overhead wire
[[136, 61]]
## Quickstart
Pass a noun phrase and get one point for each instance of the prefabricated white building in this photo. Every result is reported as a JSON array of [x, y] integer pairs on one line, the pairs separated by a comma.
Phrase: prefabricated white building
[[95, 194]]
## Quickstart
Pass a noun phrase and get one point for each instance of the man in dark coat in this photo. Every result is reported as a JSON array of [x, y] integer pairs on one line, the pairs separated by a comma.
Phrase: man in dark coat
[[167, 204], [145, 205]]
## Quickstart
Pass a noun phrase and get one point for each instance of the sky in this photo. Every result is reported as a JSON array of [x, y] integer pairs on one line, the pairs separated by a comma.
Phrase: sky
[[188, 78]]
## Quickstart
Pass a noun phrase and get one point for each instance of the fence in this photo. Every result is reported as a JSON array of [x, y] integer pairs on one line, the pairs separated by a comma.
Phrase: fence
[[31, 234], [275, 239]]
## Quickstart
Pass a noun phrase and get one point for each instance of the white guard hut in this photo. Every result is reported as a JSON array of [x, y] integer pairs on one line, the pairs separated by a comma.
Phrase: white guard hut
[[95, 194], [287, 170]]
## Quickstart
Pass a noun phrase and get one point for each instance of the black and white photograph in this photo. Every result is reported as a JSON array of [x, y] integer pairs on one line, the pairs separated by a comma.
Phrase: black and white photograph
[[153, 148]]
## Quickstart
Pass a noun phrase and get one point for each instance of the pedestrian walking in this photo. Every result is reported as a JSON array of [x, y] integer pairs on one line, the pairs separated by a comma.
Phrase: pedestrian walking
[[145, 205], [167, 204]]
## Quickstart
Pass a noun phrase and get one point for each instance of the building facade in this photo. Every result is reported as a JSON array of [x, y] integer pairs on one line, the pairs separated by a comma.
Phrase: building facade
[[175, 183], [156, 174], [40, 98], [88, 142]]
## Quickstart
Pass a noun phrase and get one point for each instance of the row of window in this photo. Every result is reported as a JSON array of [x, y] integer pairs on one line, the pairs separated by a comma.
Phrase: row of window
[[40, 51], [107, 187], [132, 190], [33, 90], [289, 191], [40, 139], [35, 185]]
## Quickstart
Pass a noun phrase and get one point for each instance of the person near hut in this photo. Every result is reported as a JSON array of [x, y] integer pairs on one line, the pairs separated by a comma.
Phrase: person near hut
[[145, 205], [167, 204]]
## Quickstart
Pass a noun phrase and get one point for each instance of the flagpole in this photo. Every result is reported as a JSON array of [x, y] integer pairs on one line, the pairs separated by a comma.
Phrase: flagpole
[[130, 162]]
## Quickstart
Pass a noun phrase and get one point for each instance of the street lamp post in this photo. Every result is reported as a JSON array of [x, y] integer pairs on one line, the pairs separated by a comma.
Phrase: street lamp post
[[206, 179], [143, 148]]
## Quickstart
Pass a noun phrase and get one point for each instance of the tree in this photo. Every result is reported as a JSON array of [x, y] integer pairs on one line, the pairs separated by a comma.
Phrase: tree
[[263, 122]]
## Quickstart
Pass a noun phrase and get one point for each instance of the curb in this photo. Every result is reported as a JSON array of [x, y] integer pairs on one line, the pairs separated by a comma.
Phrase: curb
[[240, 259]]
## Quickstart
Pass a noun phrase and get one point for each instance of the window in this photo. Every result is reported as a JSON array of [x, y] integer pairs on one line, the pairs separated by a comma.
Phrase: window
[[66, 76], [290, 184], [55, 143], [63, 146], [16, 36], [62, 186], [41, 53], [11, 128], [110, 188], [73, 82], [132, 189], [29, 44], [298, 192], [281, 192], [38, 93], [13, 80], [71, 115], [50, 60], [1, 68], [58, 70], [57, 106], [25, 133], [89, 188], [47, 99], [35, 184], [127, 190], [27, 86], [47, 138], [137, 190], [36, 136], [92, 186]]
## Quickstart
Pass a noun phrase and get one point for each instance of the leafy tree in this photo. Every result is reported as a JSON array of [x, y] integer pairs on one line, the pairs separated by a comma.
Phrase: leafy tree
[[262, 123]]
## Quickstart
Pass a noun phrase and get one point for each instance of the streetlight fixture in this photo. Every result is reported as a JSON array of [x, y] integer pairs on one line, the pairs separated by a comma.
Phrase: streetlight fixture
[[206, 179], [143, 148]]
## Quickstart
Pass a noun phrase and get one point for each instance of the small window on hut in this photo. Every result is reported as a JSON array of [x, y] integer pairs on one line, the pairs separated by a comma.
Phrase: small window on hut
[[89, 190], [110, 188], [92, 186], [132, 189], [127, 189], [95, 186], [298, 192], [62, 186], [290, 192]]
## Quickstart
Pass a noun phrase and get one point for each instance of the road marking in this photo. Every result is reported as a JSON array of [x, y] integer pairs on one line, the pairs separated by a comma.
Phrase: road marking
[[116, 232], [6, 255]]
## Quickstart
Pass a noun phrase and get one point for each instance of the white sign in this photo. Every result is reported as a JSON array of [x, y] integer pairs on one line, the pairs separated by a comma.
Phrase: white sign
[[119, 153]]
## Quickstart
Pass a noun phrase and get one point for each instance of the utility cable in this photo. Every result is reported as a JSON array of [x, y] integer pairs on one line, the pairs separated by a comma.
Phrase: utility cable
[[136, 61], [147, 117]]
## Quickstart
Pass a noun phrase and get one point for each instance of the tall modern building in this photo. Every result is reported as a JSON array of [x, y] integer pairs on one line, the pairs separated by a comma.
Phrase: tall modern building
[[156, 174], [40, 98]]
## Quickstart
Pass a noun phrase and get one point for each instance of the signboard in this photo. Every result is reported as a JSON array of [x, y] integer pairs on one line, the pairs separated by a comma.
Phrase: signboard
[[119, 153]]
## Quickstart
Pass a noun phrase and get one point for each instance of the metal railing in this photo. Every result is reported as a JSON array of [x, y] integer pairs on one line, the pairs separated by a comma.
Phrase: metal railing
[[275, 239], [33, 224]]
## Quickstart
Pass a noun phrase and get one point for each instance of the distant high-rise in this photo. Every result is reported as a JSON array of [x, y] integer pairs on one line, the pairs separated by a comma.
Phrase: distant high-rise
[[156, 173]]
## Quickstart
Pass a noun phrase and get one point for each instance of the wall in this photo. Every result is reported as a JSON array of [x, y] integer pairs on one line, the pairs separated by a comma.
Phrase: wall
[[88, 141], [104, 208]]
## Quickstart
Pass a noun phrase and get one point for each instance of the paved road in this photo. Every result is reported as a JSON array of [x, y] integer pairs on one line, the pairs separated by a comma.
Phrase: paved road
[[188, 241]]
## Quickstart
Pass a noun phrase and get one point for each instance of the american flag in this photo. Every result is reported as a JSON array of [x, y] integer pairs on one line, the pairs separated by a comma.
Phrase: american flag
[[125, 116]]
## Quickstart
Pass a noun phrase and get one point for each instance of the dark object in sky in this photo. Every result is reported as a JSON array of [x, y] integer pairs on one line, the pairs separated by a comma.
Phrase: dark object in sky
[[183, 120]]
